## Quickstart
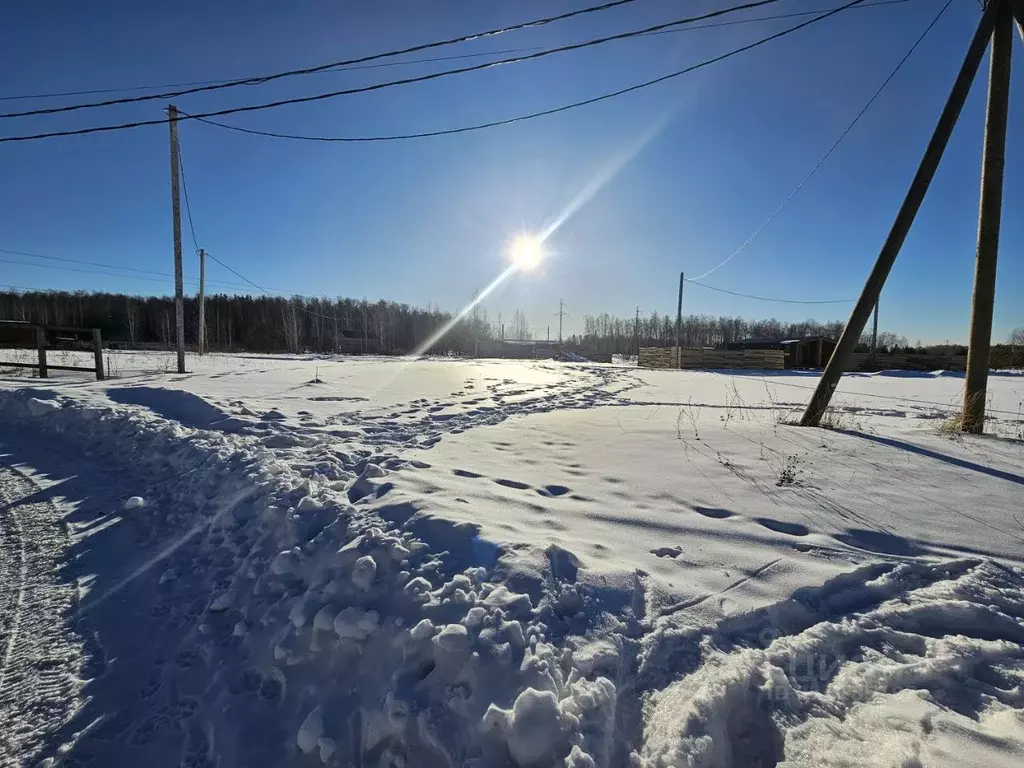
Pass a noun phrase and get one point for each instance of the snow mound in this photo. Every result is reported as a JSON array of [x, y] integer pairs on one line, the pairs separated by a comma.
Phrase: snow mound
[[570, 357], [916, 679]]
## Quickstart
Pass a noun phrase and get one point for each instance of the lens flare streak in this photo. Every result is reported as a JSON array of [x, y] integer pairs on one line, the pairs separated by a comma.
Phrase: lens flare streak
[[440, 333]]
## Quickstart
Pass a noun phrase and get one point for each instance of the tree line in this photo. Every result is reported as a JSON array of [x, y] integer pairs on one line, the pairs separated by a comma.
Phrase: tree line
[[251, 323], [622, 335], [297, 324]]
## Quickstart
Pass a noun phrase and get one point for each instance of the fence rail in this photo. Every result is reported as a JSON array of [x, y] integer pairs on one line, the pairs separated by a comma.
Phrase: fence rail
[[42, 334]]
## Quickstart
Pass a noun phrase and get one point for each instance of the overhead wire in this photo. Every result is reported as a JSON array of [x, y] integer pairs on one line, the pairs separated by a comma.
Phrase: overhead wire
[[147, 272], [204, 118], [94, 271], [188, 208], [768, 298], [555, 110], [831, 149], [184, 189], [424, 60], [340, 68], [272, 294], [259, 80]]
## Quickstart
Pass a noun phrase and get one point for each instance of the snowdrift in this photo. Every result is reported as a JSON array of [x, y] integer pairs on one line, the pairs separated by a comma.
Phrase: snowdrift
[[332, 625]]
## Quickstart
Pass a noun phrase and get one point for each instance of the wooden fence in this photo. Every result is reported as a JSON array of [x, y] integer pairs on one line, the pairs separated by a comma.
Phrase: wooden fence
[[18, 335], [860, 361], [713, 359]]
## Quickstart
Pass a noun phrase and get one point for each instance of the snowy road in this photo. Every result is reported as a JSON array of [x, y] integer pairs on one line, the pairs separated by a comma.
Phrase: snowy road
[[471, 563], [40, 654]]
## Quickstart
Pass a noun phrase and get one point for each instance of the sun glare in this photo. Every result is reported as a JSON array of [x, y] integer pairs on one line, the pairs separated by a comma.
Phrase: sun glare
[[526, 252]]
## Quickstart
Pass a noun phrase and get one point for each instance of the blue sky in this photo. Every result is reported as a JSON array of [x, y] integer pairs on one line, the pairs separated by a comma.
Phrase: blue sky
[[425, 221]]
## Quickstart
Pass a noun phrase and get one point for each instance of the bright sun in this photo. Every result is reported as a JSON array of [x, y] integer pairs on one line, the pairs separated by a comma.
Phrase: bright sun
[[526, 252]]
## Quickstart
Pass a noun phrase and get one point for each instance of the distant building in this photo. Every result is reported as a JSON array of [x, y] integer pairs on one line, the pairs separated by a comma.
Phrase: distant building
[[807, 352]]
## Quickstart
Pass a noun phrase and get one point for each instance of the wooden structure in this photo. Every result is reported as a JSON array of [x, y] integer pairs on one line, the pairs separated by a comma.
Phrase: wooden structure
[[806, 352], [996, 27], [21, 335], [809, 352], [712, 359]]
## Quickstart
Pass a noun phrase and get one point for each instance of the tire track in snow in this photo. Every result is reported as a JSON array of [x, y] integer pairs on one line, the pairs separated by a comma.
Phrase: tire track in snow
[[15, 571], [42, 659]]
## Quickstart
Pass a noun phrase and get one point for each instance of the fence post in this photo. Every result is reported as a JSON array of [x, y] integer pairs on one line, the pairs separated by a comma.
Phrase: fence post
[[97, 351], [41, 346]]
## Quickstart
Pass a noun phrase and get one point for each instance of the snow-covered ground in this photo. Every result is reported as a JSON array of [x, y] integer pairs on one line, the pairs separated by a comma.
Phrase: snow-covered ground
[[297, 560]]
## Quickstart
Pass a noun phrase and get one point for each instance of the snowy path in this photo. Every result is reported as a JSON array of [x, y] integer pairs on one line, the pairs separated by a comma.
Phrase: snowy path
[[40, 655]]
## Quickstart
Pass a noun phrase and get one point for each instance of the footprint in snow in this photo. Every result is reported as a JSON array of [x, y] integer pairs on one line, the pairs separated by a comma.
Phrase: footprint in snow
[[716, 513], [512, 484], [779, 526], [667, 551]]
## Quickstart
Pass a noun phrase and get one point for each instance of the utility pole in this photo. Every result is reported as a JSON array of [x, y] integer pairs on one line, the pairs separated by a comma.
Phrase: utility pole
[[202, 301], [561, 314], [179, 297], [549, 332], [336, 343], [904, 218], [636, 334], [874, 335], [990, 210], [679, 323]]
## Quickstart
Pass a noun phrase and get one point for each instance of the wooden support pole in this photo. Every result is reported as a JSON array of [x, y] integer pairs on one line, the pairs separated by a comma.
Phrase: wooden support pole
[[874, 336], [179, 290], [1017, 6], [904, 219], [202, 305], [679, 324], [97, 353], [41, 348], [989, 213]]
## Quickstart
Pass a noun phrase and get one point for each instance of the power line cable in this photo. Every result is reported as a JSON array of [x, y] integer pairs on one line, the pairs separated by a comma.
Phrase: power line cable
[[143, 274], [238, 274], [188, 208], [767, 298], [340, 68], [148, 272], [269, 293], [835, 145], [94, 271], [184, 188], [425, 60], [480, 126], [203, 118], [321, 67]]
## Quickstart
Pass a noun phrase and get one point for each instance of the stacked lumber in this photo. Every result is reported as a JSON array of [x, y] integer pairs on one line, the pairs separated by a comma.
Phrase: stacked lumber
[[656, 357], [924, 362], [664, 357], [768, 359]]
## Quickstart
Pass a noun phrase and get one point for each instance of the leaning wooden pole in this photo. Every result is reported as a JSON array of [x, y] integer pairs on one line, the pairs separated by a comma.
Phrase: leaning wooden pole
[[904, 219], [989, 213], [1017, 6]]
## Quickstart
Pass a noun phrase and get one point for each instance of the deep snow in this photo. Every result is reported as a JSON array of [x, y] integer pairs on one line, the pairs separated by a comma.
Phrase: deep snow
[[296, 560]]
